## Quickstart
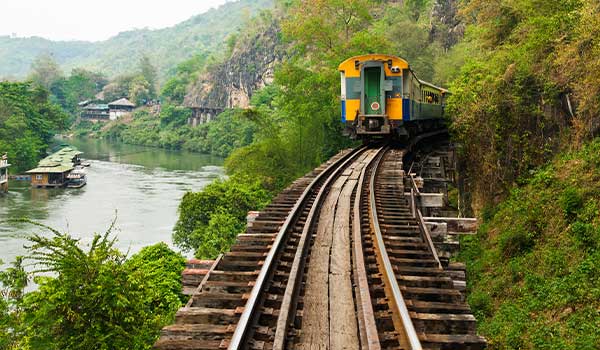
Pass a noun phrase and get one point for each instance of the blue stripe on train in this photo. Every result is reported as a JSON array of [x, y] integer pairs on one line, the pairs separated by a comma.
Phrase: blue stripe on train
[[343, 111], [406, 109]]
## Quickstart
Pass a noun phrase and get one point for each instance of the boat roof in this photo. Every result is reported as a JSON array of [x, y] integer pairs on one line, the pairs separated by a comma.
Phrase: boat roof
[[57, 162], [50, 169]]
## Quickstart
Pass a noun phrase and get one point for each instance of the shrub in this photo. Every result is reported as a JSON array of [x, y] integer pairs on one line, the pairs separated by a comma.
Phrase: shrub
[[570, 202], [516, 242], [210, 219], [585, 234]]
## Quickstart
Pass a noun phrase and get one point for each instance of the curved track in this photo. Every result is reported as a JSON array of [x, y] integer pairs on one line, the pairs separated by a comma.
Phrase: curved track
[[348, 264]]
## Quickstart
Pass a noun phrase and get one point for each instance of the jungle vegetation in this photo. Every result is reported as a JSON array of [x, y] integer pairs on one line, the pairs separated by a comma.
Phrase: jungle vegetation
[[88, 296], [526, 91], [28, 121]]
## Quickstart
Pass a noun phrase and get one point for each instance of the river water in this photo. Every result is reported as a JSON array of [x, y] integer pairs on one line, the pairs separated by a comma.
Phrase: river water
[[141, 186]]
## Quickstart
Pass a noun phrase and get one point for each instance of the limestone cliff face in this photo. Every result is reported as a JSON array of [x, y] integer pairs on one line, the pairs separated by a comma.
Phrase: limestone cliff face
[[249, 68], [446, 25]]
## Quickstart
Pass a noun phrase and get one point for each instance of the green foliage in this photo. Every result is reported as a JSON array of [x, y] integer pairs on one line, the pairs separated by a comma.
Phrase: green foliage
[[175, 88], [513, 243], [210, 220], [28, 121], [12, 286], [570, 202], [526, 85], [45, 71], [231, 130], [80, 86], [97, 298], [533, 271]]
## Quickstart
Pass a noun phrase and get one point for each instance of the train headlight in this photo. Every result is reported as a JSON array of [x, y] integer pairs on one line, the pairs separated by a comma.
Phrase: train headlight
[[395, 69]]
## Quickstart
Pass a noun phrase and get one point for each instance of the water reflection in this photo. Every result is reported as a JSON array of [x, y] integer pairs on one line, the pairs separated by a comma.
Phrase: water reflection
[[143, 185]]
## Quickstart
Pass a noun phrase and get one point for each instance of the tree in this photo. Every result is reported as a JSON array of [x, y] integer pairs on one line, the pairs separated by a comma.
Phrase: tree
[[98, 299], [140, 90], [118, 88], [45, 71], [28, 121], [148, 72], [12, 286], [210, 220]]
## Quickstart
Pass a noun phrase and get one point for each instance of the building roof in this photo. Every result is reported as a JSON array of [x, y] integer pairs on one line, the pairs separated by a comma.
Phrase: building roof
[[96, 106], [57, 162], [123, 102]]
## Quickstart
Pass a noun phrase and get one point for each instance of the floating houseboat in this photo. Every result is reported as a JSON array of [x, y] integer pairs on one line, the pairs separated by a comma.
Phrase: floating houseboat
[[54, 170], [4, 173]]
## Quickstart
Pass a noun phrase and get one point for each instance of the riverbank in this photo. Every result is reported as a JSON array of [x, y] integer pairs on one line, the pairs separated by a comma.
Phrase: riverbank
[[169, 130]]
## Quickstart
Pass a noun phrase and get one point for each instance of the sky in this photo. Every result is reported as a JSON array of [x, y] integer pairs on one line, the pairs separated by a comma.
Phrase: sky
[[93, 20]]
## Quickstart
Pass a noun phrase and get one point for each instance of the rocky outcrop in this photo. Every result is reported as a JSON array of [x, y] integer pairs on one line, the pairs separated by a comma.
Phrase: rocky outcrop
[[446, 26], [250, 67]]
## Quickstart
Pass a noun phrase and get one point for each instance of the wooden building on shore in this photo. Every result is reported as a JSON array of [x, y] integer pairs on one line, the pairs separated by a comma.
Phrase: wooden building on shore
[[119, 108], [105, 111], [95, 112], [53, 171], [4, 173]]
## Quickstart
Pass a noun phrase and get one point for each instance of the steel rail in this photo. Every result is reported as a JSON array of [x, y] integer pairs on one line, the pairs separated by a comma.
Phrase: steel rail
[[203, 282], [288, 307], [243, 324], [366, 319], [409, 338]]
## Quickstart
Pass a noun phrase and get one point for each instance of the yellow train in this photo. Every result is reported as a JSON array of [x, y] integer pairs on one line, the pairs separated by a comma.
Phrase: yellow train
[[382, 97]]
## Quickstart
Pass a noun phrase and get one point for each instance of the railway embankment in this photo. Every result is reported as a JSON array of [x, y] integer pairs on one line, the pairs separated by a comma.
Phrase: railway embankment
[[533, 271]]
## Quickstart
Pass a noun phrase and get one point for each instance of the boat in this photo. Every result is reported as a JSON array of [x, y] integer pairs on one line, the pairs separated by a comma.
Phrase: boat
[[86, 163], [77, 178]]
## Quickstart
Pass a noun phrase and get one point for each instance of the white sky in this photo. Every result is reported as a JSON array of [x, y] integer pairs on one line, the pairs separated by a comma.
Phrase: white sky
[[93, 20]]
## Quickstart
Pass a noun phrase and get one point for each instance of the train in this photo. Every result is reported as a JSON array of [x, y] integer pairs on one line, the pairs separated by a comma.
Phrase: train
[[383, 98]]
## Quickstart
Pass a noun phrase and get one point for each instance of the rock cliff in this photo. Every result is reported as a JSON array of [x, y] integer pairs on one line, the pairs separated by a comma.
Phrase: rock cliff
[[250, 67]]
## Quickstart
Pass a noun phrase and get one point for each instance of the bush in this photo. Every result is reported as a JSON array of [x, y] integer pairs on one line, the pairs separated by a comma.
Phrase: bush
[[210, 220], [570, 202], [516, 242], [586, 235], [97, 298], [481, 303]]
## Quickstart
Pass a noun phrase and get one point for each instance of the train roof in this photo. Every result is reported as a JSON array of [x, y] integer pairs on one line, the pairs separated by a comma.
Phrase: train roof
[[383, 58], [373, 57], [433, 86]]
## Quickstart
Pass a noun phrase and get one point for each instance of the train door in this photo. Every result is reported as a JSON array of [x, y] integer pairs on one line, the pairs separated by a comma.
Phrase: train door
[[372, 91]]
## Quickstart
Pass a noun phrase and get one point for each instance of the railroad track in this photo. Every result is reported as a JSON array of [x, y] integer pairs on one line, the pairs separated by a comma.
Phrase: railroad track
[[340, 260]]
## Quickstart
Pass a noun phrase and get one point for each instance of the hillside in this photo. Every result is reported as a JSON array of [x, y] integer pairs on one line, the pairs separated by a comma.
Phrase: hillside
[[165, 47], [533, 268]]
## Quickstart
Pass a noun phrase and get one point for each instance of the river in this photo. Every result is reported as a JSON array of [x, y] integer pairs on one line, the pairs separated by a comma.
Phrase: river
[[140, 186]]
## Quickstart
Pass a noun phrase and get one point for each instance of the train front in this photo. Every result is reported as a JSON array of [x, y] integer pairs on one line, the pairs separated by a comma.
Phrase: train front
[[371, 94]]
